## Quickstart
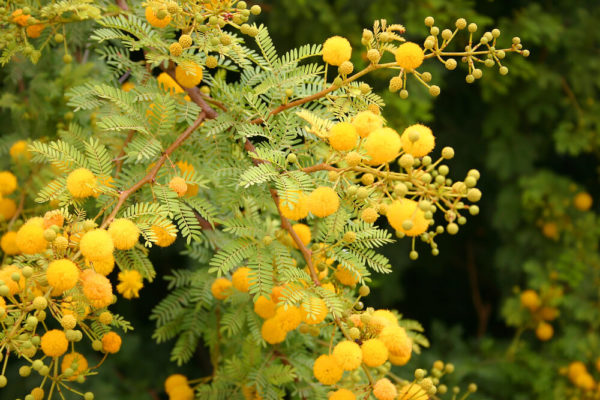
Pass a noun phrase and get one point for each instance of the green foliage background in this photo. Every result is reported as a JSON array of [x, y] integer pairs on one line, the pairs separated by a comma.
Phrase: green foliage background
[[535, 137]]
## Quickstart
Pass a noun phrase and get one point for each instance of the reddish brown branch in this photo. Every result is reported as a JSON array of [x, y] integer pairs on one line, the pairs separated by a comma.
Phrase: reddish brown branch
[[320, 167], [483, 309], [151, 176]]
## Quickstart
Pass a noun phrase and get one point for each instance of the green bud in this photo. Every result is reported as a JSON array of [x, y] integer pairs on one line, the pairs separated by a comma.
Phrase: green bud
[[337, 82], [354, 333], [4, 290], [434, 90], [25, 371], [67, 59], [413, 255], [255, 9], [88, 396], [3, 381], [452, 228], [420, 374], [49, 235], [292, 158], [349, 237], [472, 388], [362, 193], [58, 38], [473, 210], [37, 365], [242, 5], [472, 27], [404, 94], [97, 345], [364, 291], [359, 306], [27, 271], [44, 371], [503, 70], [429, 21]]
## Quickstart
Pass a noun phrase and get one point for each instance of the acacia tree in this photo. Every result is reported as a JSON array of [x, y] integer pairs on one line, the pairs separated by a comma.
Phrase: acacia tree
[[201, 130]]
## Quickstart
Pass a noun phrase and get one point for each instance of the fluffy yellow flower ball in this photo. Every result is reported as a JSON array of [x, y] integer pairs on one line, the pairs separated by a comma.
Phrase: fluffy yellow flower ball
[[382, 146], [97, 289], [221, 288], [319, 308], [163, 237], [8, 243], [424, 143], [345, 276], [175, 380], [154, 20], [127, 86], [366, 122], [168, 84], [8, 207], [399, 360], [240, 279], [294, 209], [62, 274], [583, 201], [185, 168], [81, 183], [104, 266], [575, 369], [374, 352], [178, 185], [54, 343], [8, 182], [76, 362], [323, 201], [303, 232], [130, 283], [124, 233], [19, 150], [585, 382], [396, 340], [342, 394], [384, 390], [97, 244], [6, 273], [188, 74], [409, 56], [412, 391], [343, 136], [337, 50], [272, 332], [530, 300], [387, 315], [265, 307], [288, 317], [182, 393], [544, 331], [111, 343], [30, 237], [347, 355], [403, 210], [326, 370]]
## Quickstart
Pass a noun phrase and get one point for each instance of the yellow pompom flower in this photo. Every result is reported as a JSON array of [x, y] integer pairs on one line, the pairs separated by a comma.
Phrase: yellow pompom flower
[[265, 307], [154, 20], [130, 283], [240, 279], [174, 381], [409, 56], [81, 183], [182, 393], [388, 315], [8, 207], [168, 84], [178, 185], [343, 136], [396, 340], [62, 274], [188, 74], [163, 236], [111, 343], [384, 390], [124, 233], [6, 273], [424, 143], [34, 31], [8, 243], [19, 17], [37, 393], [97, 289], [303, 232], [544, 331], [323, 201], [8, 182], [374, 352], [399, 360], [382, 146], [186, 167], [412, 391], [76, 362], [19, 150], [104, 266], [337, 50], [295, 209], [288, 317], [326, 370], [575, 369], [97, 244], [319, 311], [54, 343], [30, 237], [272, 332], [347, 355], [403, 210], [585, 381], [221, 288], [127, 86], [583, 201], [342, 394], [345, 276], [530, 300], [366, 122]]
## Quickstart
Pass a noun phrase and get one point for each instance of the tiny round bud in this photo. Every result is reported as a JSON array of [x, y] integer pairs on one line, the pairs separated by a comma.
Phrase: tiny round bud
[[359, 305], [477, 73], [500, 54], [354, 333], [406, 161], [353, 158], [472, 388], [292, 158], [25, 371], [49, 235], [97, 345], [426, 76], [349, 237], [461, 23], [364, 88], [489, 62], [44, 371], [413, 255], [434, 90], [333, 176], [367, 179], [88, 396], [450, 64], [474, 195], [429, 43], [443, 170], [175, 49], [364, 291], [470, 78], [362, 193], [338, 82], [374, 56], [58, 38], [503, 70], [525, 53], [37, 365], [225, 40], [185, 41], [67, 59], [404, 94], [452, 228], [27, 271], [396, 84], [267, 240], [472, 27], [429, 21], [255, 9], [446, 34], [420, 374], [346, 68]]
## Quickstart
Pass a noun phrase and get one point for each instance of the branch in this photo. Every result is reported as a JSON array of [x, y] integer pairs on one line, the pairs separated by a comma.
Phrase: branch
[[320, 167], [151, 176]]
